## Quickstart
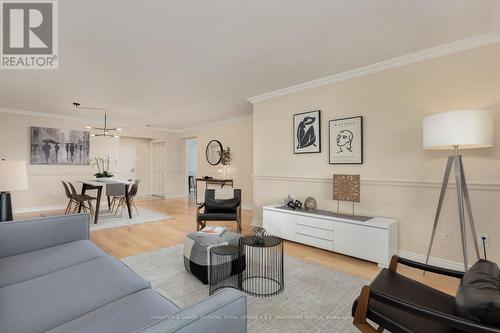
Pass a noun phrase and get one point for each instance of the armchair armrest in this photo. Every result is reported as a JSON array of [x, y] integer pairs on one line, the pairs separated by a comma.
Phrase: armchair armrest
[[425, 267], [222, 312], [22, 236], [451, 320]]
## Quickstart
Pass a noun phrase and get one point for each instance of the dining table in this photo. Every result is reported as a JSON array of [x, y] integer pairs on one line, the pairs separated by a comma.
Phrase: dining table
[[99, 185]]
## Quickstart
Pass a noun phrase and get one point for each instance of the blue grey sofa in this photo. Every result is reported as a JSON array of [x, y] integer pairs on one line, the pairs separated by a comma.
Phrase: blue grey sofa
[[53, 279]]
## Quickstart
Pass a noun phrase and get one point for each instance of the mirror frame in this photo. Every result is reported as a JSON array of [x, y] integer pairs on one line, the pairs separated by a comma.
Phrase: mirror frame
[[206, 152]]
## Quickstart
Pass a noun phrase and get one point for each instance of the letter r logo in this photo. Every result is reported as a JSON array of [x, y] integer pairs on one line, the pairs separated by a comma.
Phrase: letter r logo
[[27, 28]]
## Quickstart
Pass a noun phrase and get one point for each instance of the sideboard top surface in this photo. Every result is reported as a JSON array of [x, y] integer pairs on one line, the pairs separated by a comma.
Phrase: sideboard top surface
[[375, 222]]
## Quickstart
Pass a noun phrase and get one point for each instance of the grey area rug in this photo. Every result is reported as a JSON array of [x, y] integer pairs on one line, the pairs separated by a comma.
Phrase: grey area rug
[[109, 220], [315, 298]]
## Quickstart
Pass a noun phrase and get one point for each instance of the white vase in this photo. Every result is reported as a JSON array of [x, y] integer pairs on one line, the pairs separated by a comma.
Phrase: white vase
[[224, 172]]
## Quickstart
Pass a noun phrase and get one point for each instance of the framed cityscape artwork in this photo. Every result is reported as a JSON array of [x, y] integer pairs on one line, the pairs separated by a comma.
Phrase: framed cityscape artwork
[[346, 140], [307, 132], [59, 146]]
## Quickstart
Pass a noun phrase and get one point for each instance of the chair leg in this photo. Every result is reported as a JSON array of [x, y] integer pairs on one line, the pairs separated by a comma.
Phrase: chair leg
[[361, 310], [200, 225], [68, 207], [133, 204]]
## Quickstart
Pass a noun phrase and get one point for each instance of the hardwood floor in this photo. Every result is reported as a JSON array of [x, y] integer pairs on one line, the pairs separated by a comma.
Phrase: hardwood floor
[[130, 240]]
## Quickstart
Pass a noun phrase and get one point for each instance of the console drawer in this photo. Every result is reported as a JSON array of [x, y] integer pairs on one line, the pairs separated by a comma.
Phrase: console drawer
[[314, 222], [313, 241], [314, 232]]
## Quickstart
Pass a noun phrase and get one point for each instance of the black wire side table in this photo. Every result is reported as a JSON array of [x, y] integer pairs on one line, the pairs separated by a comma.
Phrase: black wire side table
[[226, 266], [263, 276]]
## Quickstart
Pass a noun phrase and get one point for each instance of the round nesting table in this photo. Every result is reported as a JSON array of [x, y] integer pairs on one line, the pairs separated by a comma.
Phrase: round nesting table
[[226, 265], [263, 275]]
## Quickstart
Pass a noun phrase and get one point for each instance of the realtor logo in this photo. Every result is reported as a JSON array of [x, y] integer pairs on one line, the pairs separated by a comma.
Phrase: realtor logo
[[29, 34]]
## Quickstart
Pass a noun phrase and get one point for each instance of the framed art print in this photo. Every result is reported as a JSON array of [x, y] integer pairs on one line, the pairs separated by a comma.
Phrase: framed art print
[[346, 140], [307, 132]]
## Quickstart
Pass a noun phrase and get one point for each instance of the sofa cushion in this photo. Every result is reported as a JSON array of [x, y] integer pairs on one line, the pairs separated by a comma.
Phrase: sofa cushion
[[128, 314], [478, 296], [51, 300], [29, 265]]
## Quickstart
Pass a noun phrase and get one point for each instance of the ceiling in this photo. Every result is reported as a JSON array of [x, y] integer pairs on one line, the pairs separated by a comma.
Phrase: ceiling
[[183, 63]]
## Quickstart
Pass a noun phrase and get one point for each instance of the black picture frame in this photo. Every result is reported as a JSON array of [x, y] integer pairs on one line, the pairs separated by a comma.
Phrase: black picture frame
[[358, 134], [207, 151], [315, 127]]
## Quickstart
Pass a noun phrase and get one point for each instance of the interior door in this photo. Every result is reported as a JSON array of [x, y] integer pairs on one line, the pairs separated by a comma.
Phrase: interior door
[[159, 168], [128, 160]]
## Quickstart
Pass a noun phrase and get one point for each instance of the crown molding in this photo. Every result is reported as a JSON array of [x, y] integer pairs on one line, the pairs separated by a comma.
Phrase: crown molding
[[433, 52], [96, 121], [76, 118], [215, 123]]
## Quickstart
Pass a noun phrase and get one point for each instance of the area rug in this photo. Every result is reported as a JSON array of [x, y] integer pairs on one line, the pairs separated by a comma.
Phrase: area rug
[[109, 220], [315, 298]]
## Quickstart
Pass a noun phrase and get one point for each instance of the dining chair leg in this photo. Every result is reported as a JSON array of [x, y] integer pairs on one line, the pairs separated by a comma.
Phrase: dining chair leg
[[68, 207], [92, 211], [133, 204]]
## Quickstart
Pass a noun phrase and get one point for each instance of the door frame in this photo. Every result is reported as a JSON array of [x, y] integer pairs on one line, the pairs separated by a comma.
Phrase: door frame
[[151, 157]]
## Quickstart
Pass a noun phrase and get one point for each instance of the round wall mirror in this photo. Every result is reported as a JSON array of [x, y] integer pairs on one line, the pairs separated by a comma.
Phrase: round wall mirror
[[214, 148]]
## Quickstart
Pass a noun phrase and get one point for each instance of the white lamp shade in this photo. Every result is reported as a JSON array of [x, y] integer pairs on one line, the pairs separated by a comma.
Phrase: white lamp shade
[[13, 176], [464, 128]]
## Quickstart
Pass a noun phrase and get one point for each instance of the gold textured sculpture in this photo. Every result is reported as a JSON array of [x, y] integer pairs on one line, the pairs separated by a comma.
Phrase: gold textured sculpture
[[346, 188]]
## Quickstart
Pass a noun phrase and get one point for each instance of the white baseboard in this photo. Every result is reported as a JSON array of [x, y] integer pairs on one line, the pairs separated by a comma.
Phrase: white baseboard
[[444, 263], [38, 209]]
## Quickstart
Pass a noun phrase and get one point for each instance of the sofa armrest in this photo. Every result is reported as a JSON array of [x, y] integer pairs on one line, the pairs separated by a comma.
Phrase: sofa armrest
[[22, 236], [220, 313]]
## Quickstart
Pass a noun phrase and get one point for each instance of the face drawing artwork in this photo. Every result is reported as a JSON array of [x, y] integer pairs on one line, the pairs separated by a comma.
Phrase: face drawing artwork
[[344, 141], [305, 137]]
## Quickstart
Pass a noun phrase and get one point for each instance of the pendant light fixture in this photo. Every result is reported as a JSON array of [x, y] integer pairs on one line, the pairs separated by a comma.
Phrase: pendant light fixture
[[104, 131]]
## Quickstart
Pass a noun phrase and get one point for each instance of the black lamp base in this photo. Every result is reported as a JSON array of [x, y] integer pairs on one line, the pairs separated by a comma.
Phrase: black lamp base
[[5, 207]]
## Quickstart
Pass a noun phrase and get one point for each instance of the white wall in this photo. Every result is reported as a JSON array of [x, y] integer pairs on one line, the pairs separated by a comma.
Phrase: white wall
[[237, 134], [399, 178], [45, 190], [191, 156]]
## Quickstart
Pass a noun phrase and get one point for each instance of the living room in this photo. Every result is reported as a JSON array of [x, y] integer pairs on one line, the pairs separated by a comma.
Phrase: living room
[[231, 166]]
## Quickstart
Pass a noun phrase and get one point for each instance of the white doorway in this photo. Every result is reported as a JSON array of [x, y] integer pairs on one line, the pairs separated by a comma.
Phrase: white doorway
[[128, 159], [135, 163], [191, 165], [159, 168]]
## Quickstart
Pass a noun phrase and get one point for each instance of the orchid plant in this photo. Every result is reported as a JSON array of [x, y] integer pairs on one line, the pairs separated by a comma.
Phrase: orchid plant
[[102, 165]]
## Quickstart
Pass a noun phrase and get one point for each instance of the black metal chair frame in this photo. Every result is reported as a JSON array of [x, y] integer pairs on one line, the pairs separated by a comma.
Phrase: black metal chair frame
[[210, 193], [453, 321]]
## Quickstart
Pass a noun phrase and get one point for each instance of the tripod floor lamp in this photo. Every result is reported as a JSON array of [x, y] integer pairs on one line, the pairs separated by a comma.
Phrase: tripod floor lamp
[[457, 130]]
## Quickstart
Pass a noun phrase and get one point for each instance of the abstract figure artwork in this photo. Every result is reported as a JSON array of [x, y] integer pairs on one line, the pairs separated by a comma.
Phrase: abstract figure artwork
[[59, 146], [346, 140], [307, 132]]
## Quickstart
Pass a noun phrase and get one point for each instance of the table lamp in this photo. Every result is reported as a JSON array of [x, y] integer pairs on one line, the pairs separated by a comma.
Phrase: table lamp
[[13, 177], [456, 130]]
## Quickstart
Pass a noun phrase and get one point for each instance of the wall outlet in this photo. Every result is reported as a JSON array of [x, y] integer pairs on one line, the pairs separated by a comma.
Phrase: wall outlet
[[448, 235], [486, 239]]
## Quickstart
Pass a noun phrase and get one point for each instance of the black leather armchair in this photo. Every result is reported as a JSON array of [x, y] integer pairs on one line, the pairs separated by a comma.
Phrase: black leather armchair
[[399, 304], [219, 209]]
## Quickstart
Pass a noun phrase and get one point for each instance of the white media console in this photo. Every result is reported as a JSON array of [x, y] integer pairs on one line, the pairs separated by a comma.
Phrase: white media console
[[374, 240]]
